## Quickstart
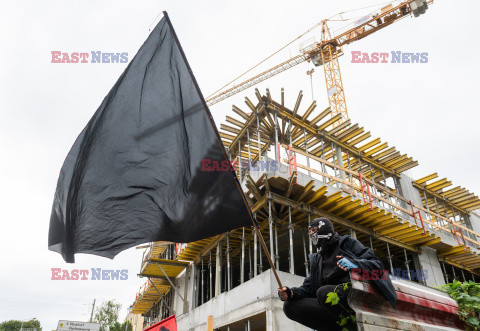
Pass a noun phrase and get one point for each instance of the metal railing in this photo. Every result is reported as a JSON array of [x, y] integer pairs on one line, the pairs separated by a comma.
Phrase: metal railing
[[382, 195]]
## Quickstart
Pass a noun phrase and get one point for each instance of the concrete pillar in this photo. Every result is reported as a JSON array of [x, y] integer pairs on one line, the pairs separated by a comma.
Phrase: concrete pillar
[[427, 262], [409, 192], [186, 291], [339, 158], [474, 221], [353, 234], [270, 321], [218, 270], [196, 301]]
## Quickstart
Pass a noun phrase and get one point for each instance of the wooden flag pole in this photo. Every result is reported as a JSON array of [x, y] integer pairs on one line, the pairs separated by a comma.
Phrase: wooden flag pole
[[267, 253], [210, 323]]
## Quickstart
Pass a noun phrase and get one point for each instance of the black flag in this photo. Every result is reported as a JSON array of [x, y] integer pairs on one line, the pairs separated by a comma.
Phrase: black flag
[[135, 173]]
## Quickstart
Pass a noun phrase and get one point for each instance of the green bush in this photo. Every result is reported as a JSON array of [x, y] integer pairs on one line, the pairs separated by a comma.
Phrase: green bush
[[467, 295], [346, 320], [14, 325]]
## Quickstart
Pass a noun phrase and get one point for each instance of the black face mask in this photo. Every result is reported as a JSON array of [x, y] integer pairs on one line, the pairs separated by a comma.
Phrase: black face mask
[[324, 233]]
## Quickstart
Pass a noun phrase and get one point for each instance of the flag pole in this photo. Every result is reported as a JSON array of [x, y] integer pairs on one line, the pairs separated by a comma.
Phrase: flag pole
[[267, 253], [209, 115]]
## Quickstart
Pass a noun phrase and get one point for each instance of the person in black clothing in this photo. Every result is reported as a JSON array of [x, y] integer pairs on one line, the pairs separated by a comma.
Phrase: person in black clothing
[[329, 273]]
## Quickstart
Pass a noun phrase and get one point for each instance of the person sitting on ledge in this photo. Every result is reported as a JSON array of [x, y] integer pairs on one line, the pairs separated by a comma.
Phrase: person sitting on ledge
[[329, 273]]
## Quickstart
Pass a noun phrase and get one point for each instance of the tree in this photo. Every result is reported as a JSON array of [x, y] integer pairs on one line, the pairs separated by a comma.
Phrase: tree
[[107, 314], [467, 295], [14, 325], [127, 326]]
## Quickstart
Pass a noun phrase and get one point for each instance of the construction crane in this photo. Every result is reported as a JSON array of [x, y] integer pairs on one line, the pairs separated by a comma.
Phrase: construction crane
[[329, 49]]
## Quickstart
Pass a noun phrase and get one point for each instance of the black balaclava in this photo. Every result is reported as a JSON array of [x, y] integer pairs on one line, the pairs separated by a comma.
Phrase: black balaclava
[[324, 233]]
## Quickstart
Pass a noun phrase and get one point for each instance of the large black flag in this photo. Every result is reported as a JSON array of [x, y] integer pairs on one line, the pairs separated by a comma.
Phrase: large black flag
[[134, 174]]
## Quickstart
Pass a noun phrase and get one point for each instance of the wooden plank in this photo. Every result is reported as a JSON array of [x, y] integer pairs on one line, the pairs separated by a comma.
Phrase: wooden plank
[[297, 103], [234, 121], [426, 178], [320, 116], [317, 195], [389, 158], [400, 163], [353, 128], [357, 140], [330, 122], [406, 167], [376, 149], [439, 182], [312, 130], [317, 211], [240, 112], [369, 144], [297, 130], [250, 105], [210, 323], [305, 190], [309, 110], [288, 191], [384, 153]]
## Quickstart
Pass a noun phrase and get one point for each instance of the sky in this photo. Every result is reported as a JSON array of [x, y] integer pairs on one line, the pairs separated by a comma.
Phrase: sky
[[427, 110]]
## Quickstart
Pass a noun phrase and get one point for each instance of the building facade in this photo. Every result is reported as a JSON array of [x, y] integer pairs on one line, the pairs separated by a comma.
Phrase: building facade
[[294, 166]]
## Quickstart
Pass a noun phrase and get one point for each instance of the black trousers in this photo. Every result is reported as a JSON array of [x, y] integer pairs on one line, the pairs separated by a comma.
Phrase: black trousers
[[315, 313]]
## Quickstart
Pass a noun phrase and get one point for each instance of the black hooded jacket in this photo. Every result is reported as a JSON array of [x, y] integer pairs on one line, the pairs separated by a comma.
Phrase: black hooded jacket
[[352, 249]]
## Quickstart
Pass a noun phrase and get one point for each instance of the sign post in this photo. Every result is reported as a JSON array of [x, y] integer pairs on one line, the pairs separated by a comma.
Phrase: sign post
[[77, 326]]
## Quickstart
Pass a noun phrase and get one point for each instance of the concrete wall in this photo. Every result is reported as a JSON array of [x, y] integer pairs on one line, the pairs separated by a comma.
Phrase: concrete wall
[[185, 286], [411, 193], [426, 259], [250, 298], [136, 320], [475, 222]]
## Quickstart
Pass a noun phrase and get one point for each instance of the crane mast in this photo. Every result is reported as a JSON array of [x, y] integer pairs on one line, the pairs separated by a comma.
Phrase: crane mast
[[333, 77], [326, 53]]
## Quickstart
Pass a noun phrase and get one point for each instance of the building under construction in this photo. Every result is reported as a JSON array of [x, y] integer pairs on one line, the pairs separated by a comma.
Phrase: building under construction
[[294, 164], [297, 162]]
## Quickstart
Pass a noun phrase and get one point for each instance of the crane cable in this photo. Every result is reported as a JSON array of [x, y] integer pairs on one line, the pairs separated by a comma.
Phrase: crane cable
[[270, 56], [291, 42]]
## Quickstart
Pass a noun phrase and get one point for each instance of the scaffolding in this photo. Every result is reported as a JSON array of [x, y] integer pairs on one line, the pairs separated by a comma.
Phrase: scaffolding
[[296, 166]]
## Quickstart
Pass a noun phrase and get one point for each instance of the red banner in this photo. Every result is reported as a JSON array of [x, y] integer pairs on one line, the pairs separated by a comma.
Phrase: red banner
[[168, 324]]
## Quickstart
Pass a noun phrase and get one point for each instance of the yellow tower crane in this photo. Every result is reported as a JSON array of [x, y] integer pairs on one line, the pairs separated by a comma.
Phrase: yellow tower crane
[[326, 53]]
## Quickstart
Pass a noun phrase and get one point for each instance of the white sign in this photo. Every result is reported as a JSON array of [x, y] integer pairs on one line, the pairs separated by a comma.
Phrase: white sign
[[362, 20], [331, 91], [77, 326]]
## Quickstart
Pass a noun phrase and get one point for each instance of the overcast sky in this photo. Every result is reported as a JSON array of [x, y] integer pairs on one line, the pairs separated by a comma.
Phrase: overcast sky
[[429, 111]]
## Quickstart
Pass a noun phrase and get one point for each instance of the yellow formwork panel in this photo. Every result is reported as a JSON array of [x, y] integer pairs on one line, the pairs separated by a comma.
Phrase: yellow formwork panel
[[472, 263], [409, 235], [398, 231], [339, 204], [317, 195], [146, 298], [461, 256], [191, 251], [172, 268], [390, 225], [455, 250], [422, 238]]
